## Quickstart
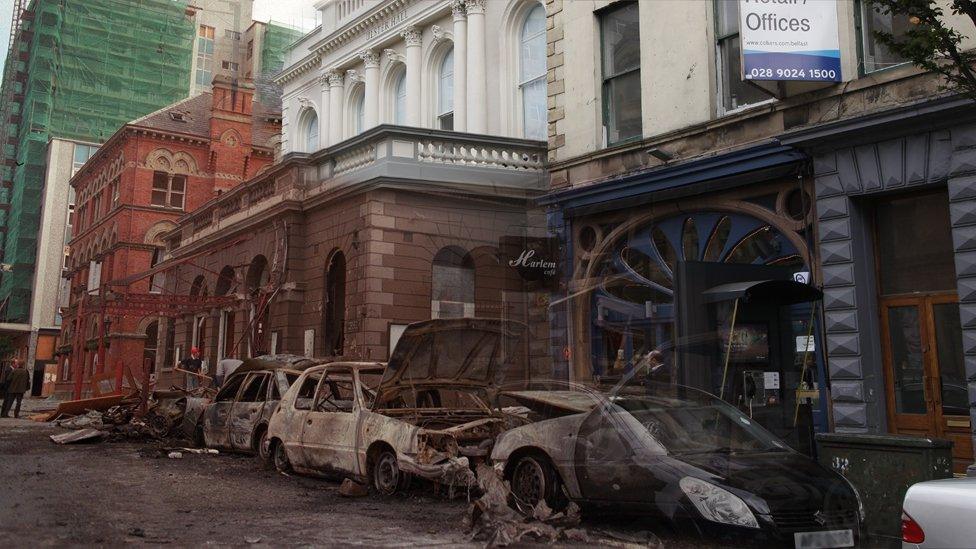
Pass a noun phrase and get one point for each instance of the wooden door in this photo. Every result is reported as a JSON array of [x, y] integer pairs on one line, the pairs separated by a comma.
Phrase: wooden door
[[924, 370]]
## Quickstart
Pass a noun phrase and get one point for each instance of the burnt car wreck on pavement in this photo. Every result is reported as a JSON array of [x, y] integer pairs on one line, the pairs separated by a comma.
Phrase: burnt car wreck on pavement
[[425, 414], [236, 419]]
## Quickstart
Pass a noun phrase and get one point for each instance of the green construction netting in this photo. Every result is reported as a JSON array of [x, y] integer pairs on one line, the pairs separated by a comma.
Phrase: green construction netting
[[91, 66], [277, 39]]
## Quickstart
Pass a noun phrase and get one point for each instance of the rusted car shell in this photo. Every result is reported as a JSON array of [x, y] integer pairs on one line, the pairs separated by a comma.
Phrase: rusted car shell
[[230, 424]]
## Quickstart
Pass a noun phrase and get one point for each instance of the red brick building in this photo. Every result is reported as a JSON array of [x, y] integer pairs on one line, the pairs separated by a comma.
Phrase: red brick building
[[146, 176]]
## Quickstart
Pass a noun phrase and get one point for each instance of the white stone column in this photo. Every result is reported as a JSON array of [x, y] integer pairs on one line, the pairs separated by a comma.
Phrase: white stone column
[[335, 107], [460, 65], [413, 39], [477, 110], [371, 76], [323, 113]]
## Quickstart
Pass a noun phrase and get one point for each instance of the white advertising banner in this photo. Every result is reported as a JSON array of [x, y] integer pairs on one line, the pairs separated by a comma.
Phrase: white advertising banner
[[789, 40]]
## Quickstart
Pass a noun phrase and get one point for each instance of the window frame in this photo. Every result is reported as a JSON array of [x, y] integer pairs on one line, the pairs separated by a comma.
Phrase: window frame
[[859, 8], [606, 79], [168, 191], [442, 115], [522, 84], [721, 82]]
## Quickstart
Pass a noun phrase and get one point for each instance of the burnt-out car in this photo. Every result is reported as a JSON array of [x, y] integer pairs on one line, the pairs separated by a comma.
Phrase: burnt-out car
[[424, 414], [680, 457], [237, 417]]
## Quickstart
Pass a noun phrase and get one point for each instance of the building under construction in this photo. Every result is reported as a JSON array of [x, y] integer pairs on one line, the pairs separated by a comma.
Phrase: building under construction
[[77, 70]]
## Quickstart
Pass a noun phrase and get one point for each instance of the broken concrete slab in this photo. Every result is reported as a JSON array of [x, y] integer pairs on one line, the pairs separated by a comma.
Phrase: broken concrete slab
[[81, 435]]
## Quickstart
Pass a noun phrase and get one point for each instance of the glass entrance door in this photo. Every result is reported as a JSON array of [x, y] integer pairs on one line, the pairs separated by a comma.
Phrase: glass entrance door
[[924, 371]]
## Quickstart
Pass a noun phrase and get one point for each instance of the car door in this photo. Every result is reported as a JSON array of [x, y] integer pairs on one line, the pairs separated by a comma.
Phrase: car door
[[611, 464], [329, 435], [216, 416], [247, 410], [295, 416]]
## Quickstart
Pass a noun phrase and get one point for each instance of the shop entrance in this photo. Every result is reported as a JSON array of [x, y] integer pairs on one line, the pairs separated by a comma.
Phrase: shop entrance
[[921, 329]]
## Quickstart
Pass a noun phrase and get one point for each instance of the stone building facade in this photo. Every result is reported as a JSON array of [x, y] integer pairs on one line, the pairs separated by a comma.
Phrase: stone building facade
[[667, 168], [405, 191]]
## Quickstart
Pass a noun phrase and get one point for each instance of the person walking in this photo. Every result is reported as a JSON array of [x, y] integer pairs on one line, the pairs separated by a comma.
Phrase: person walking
[[18, 383]]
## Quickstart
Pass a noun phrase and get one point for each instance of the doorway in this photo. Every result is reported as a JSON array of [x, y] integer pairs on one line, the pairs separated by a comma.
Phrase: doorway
[[921, 331]]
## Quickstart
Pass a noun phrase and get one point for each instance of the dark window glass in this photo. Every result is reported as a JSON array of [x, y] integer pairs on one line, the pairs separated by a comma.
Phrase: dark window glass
[[255, 390], [735, 91], [876, 56], [914, 244], [620, 37], [229, 390]]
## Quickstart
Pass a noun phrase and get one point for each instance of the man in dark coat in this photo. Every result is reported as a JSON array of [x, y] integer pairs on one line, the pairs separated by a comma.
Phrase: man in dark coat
[[18, 382]]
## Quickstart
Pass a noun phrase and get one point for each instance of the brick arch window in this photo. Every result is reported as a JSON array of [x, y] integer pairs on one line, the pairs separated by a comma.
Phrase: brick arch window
[[452, 284]]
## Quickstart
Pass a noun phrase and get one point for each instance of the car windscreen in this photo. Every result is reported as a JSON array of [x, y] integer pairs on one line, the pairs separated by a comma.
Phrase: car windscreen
[[699, 427]]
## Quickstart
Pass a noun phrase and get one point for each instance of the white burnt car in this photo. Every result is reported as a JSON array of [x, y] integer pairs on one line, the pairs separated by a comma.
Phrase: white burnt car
[[425, 414]]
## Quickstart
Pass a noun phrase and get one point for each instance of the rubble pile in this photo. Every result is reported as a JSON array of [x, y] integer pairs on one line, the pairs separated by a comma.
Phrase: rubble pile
[[118, 417], [492, 520]]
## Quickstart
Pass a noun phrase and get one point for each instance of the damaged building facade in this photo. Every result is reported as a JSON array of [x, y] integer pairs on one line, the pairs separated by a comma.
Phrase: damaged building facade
[[131, 193], [676, 187], [405, 191]]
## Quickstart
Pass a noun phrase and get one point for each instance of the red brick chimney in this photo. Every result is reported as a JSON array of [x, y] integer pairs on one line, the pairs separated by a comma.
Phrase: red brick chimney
[[230, 131]]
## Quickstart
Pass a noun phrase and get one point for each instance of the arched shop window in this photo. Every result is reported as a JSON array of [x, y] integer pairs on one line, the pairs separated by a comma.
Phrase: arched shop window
[[633, 309]]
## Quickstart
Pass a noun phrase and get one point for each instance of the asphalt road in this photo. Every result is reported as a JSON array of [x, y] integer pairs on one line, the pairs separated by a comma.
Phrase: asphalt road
[[114, 493]]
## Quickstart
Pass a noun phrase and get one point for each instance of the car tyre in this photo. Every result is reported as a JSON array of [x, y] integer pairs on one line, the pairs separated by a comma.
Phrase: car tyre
[[262, 451], [280, 458], [386, 477], [534, 479]]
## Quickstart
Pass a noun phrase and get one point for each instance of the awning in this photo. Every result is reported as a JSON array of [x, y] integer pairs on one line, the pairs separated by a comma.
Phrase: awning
[[781, 292], [747, 166]]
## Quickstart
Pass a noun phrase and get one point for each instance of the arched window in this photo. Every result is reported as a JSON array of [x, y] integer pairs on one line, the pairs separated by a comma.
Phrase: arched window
[[532, 73], [452, 284], [149, 345], [224, 281], [334, 306], [156, 280], [199, 286], [257, 274], [358, 108], [445, 92], [400, 99], [310, 131]]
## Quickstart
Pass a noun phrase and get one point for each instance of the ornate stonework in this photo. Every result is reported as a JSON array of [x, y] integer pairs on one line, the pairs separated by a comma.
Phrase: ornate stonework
[[474, 6], [458, 10], [334, 77], [370, 58], [412, 36]]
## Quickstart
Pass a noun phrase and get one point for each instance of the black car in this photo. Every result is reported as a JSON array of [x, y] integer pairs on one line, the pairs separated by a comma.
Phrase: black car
[[680, 455]]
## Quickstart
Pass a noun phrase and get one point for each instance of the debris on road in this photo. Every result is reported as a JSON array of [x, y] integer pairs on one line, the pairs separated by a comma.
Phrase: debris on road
[[175, 455], [491, 519], [352, 489], [81, 435]]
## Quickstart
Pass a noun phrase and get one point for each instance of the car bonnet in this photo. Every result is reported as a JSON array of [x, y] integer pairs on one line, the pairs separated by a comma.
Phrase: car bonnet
[[463, 352]]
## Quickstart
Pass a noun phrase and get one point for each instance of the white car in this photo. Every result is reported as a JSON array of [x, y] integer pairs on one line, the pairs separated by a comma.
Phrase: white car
[[940, 513], [425, 414]]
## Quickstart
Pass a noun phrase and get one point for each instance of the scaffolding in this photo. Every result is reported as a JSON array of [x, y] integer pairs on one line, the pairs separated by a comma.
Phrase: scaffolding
[[277, 41], [77, 69]]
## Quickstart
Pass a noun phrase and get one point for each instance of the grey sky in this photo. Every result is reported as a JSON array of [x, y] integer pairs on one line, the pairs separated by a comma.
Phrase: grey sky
[[6, 14]]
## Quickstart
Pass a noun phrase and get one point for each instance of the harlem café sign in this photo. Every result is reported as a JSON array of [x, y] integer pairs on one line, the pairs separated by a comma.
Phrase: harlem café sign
[[533, 258]]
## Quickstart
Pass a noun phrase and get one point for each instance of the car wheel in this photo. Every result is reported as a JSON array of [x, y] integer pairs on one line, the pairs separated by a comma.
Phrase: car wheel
[[263, 452], [387, 477], [280, 458], [534, 479]]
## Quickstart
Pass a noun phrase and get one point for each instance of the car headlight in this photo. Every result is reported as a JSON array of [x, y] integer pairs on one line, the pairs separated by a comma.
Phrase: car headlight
[[717, 504]]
